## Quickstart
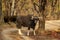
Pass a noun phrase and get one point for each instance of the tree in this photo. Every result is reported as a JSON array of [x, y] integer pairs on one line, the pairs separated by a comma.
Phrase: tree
[[53, 5], [42, 4], [12, 8], [1, 15], [39, 7]]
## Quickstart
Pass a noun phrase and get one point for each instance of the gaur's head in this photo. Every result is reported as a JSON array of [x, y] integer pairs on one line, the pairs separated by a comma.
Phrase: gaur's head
[[35, 18]]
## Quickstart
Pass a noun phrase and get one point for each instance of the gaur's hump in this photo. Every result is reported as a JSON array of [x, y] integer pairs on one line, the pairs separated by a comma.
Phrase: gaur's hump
[[24, 17]]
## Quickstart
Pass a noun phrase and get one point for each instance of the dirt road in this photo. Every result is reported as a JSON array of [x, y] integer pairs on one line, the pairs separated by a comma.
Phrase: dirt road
[[11, 33], [52, 25]]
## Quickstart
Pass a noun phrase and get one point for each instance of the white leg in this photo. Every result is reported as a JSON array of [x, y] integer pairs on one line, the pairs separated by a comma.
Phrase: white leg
[[19, 31], [28, 32], [34, 32]]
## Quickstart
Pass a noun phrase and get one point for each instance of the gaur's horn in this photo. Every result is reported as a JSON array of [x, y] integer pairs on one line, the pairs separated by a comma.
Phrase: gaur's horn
[[32, 17], [40, 18]]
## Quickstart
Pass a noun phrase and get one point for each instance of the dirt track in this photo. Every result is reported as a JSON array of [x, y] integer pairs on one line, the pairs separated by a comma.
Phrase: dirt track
[[9, 32]]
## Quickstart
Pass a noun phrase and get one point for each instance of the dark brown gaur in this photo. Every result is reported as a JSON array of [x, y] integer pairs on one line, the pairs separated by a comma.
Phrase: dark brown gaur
[[27, 21]]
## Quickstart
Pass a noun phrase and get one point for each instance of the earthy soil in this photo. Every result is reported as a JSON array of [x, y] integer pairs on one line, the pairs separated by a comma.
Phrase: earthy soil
[[10, 32]]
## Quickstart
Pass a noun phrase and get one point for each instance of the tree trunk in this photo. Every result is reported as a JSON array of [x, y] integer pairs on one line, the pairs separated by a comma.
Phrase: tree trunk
[[12, 8], [42, 4], [1, 15]]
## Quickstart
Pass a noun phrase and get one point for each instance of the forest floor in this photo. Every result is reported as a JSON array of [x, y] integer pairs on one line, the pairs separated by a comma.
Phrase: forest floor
[[9, 32]]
